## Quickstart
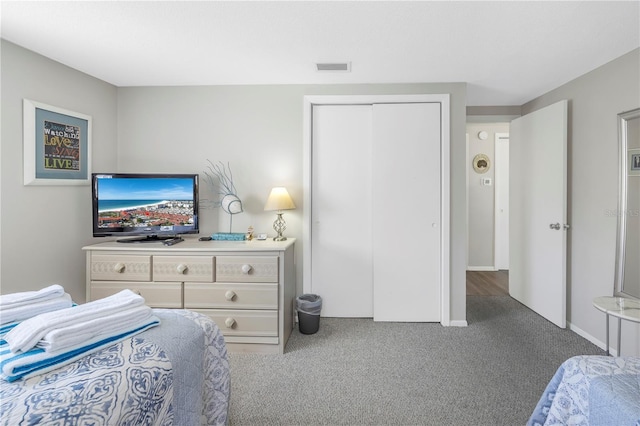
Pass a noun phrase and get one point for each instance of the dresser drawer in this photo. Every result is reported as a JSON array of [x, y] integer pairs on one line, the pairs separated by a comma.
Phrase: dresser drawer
[[244, 323], [156, 295], [254, 269], [115, 267], [183, 268], [231, 296]]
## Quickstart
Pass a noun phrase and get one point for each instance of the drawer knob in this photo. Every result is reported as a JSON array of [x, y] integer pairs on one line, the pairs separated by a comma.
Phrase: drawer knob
[[230, 295], [246, 268], [182, 268], [229, 322], [119, 267]]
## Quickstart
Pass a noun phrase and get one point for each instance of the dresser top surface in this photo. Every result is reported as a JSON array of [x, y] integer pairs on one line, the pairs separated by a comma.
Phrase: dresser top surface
[[194, 245]]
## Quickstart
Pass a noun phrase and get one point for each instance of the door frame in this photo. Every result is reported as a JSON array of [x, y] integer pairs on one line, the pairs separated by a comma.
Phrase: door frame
[[445, 185], [501, 143]]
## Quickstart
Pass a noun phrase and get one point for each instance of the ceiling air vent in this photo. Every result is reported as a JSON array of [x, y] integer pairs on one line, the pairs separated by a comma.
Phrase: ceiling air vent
[[334, 66]]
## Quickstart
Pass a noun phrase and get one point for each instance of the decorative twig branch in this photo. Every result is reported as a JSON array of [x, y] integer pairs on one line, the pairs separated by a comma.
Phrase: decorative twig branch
[[229, 200], [223, 174]]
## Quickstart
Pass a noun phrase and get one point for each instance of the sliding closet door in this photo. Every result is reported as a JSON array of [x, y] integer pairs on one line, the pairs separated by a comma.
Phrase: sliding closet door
[[375, 219], [406, 212], [341, 269]]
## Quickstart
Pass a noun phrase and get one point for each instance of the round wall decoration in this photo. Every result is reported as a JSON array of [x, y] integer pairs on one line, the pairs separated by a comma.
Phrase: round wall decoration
[[481, 163]]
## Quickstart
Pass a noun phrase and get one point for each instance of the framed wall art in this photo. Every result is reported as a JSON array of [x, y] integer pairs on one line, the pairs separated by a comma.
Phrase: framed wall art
[[57, 145], [634, 162]]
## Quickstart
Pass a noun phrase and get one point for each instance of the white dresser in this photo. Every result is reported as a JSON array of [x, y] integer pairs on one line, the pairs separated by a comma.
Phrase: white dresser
[[247, 287]]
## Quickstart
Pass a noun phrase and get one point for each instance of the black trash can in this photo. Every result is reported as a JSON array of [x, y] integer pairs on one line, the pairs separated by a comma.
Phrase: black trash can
[[308, 307]]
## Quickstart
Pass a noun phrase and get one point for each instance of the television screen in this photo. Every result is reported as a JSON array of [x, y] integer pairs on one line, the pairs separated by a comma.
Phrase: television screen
[[151, 206]]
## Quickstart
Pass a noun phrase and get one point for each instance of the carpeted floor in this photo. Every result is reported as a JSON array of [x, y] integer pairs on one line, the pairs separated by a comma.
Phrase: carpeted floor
[[360, 372]]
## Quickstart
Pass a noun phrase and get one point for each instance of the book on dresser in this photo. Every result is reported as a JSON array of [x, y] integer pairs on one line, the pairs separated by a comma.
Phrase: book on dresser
[[247, 287], [228, 236]]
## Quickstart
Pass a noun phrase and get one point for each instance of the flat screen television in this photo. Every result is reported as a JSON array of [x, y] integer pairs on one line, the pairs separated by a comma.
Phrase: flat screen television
[[147, 207]]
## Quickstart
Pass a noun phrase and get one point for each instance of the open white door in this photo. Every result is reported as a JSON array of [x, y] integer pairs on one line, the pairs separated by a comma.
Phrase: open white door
[[538, 216]]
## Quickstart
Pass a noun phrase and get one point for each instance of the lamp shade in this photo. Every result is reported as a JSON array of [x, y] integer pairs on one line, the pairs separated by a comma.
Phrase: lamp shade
[[279, 199]]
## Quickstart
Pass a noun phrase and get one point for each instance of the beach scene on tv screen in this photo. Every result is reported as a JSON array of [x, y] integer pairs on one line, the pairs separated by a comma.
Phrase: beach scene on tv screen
[[163, 204]]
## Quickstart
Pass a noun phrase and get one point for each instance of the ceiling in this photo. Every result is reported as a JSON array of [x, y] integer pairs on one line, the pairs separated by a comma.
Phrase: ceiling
[[507, 52]]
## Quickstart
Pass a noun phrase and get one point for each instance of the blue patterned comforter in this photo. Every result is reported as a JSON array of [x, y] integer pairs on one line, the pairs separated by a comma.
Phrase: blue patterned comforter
[[174, 374], [590, 391]]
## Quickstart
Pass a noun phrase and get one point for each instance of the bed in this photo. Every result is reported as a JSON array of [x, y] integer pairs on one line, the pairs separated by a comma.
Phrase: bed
[[591, 390], [174, 374]]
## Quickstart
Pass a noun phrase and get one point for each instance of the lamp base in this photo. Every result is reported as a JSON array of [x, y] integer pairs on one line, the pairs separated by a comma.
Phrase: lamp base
[[279, 226]]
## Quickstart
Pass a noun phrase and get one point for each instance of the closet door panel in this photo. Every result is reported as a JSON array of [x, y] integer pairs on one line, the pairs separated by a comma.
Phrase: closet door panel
[[406, 212], [341, 230]]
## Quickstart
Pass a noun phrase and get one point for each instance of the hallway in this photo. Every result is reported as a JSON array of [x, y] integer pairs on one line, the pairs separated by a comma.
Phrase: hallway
[[488, 283]]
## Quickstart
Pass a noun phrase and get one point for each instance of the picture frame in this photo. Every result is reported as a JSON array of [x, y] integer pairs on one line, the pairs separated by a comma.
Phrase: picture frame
[[634, 162], [56, 145]]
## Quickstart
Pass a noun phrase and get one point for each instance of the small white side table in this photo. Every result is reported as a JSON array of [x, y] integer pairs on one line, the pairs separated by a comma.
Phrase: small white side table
[[622, 308]]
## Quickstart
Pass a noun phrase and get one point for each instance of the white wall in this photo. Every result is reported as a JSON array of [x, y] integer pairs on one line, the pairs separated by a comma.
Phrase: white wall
[[481, 202], [595, 99], [258, 130], [45, 227]]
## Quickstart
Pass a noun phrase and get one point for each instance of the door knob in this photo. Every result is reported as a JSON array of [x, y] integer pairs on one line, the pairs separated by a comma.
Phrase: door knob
[[555, 226]]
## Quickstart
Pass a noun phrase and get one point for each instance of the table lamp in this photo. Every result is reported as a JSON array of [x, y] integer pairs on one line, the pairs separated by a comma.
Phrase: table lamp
[[279, 199]]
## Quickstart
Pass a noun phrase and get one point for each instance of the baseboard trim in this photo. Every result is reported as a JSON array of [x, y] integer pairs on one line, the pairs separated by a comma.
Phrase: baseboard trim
[[602, 345], [481, 268], [458, 323]]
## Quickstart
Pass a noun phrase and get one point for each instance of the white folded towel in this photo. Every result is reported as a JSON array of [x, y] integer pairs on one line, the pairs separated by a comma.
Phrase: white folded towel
[[73, 335], [37, 361], [20, 313], [27, 334], [26, 297]]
